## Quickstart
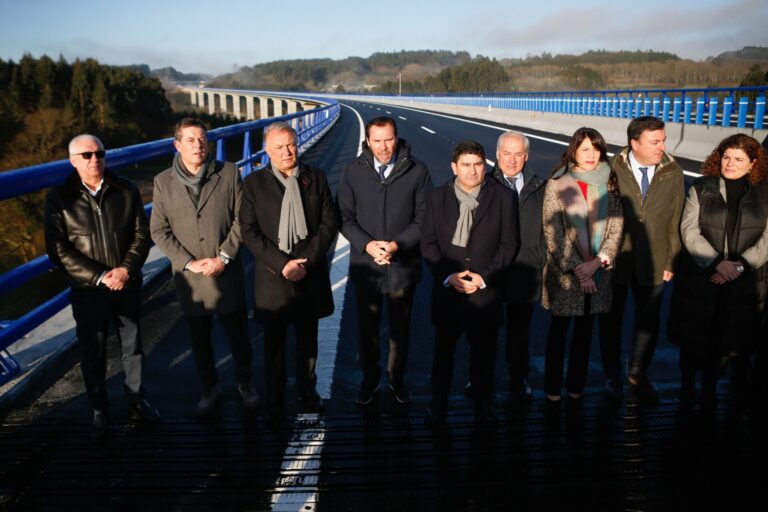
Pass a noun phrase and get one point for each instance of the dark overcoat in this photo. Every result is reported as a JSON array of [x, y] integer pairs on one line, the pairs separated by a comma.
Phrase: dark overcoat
[[392, 210], [492, 246], [275, 297], [523, 282]]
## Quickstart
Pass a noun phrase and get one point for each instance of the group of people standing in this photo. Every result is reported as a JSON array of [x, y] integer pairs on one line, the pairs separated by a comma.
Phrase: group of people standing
[[495, 243]]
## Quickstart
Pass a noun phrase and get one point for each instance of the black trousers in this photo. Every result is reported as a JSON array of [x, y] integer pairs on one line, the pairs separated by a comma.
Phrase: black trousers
[[518, 331], [92, 310], [274, 358], [646, 334], [578, 357], [235, 326], [482, 354], [399, 306]]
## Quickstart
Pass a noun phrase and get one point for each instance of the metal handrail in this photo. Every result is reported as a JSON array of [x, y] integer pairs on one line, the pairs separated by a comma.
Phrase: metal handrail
[[723, 106]]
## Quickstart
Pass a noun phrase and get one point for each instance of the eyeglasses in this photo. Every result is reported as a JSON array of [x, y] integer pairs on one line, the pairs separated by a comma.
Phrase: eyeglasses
[[88, 154]]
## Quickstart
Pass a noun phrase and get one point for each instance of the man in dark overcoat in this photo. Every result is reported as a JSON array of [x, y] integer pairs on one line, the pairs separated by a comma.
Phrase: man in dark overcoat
[[381, 198], [469, 239], [288, 221], [195, 223], [523, 279]]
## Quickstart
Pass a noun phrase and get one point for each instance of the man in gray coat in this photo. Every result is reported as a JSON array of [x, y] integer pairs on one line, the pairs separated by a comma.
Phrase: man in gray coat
[[195, 223]]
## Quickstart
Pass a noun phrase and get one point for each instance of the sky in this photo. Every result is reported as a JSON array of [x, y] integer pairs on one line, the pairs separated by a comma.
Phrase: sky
[[219, 36]]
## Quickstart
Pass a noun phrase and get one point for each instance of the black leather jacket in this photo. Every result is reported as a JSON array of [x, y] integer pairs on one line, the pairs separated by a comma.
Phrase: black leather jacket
[[87, 236]]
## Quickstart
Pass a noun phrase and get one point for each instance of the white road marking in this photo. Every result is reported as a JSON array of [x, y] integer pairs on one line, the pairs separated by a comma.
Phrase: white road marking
[[529, 135], [491, 162], [427, 129], [296, 489], [387, 111], [401, 117]]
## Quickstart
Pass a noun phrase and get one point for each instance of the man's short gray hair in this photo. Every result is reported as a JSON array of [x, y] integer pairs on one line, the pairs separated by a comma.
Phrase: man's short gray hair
[[82, 138], [513, 133], [280, 126]]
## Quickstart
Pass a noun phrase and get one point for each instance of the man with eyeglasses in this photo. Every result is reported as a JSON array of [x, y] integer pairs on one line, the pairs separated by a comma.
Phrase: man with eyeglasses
[[96, 232]]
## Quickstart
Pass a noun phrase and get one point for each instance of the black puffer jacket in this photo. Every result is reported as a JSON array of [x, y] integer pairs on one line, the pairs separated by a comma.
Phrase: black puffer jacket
[[88, 236], [393, 210]]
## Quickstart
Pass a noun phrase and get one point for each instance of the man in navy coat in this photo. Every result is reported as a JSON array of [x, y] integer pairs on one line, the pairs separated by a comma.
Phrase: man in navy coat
[[469, 239], [381, 198]]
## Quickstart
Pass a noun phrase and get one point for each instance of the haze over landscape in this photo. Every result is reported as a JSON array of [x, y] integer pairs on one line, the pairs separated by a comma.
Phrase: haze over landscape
[[220, 37]]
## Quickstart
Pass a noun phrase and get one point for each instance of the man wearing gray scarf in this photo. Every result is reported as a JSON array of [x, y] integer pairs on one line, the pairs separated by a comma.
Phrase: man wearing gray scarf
[[288, 221], [194, 222], [469, 238]]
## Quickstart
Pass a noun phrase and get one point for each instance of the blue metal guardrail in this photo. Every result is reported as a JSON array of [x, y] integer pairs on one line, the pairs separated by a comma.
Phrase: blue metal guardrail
[[726, 106], [310, 125]]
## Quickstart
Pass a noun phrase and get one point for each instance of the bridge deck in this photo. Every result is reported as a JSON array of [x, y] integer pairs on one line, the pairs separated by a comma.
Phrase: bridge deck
[[597, 455]]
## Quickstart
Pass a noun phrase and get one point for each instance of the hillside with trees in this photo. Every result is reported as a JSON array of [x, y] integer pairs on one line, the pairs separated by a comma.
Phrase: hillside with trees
[[44, 103], [430, 71]]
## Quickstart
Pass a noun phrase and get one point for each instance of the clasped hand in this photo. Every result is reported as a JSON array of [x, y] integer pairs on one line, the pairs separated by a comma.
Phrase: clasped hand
[[585, 273], [725, 271], [466, 282], [209, 267], [381, 251], [116, 278]]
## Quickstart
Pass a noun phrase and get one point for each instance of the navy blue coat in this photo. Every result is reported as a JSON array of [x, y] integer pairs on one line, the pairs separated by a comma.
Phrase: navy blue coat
[[492, 246], [393, 210]]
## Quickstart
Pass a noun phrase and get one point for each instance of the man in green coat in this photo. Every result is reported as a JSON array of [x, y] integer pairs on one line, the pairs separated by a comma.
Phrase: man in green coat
[[653, 194]]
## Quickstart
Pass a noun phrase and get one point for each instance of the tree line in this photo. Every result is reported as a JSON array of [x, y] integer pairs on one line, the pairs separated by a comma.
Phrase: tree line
[[46, 102]]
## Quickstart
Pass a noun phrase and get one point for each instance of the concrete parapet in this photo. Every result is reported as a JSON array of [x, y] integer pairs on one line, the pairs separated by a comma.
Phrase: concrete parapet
[[690, 141]]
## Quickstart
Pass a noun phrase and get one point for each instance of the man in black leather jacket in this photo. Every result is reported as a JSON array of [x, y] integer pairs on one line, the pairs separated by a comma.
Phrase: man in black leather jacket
[[96, 231]]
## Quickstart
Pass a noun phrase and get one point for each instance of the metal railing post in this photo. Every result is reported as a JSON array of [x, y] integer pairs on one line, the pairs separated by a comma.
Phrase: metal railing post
[[743, 106], [712, 121], [759, 112]]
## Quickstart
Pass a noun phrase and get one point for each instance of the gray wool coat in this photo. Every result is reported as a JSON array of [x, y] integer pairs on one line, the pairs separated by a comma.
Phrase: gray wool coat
[[185, 232]]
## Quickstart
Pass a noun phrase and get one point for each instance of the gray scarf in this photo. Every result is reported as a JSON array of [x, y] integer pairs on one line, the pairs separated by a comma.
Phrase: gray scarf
[[467, 205], [293, 226], [193, 182]]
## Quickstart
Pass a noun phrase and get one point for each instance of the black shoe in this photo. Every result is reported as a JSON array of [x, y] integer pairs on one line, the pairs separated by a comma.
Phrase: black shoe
[[249, 396], [485, 411], [99, 427], [275, 416], [613, 388], [520, 390], [366, 395], [468, 390], [208, 401], [436, 414], [311, 403], [143, 412], [641, 389], [401, 393]]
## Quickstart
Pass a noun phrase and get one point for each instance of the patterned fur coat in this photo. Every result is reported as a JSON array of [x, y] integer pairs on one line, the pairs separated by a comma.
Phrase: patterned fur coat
[[562, 293]]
